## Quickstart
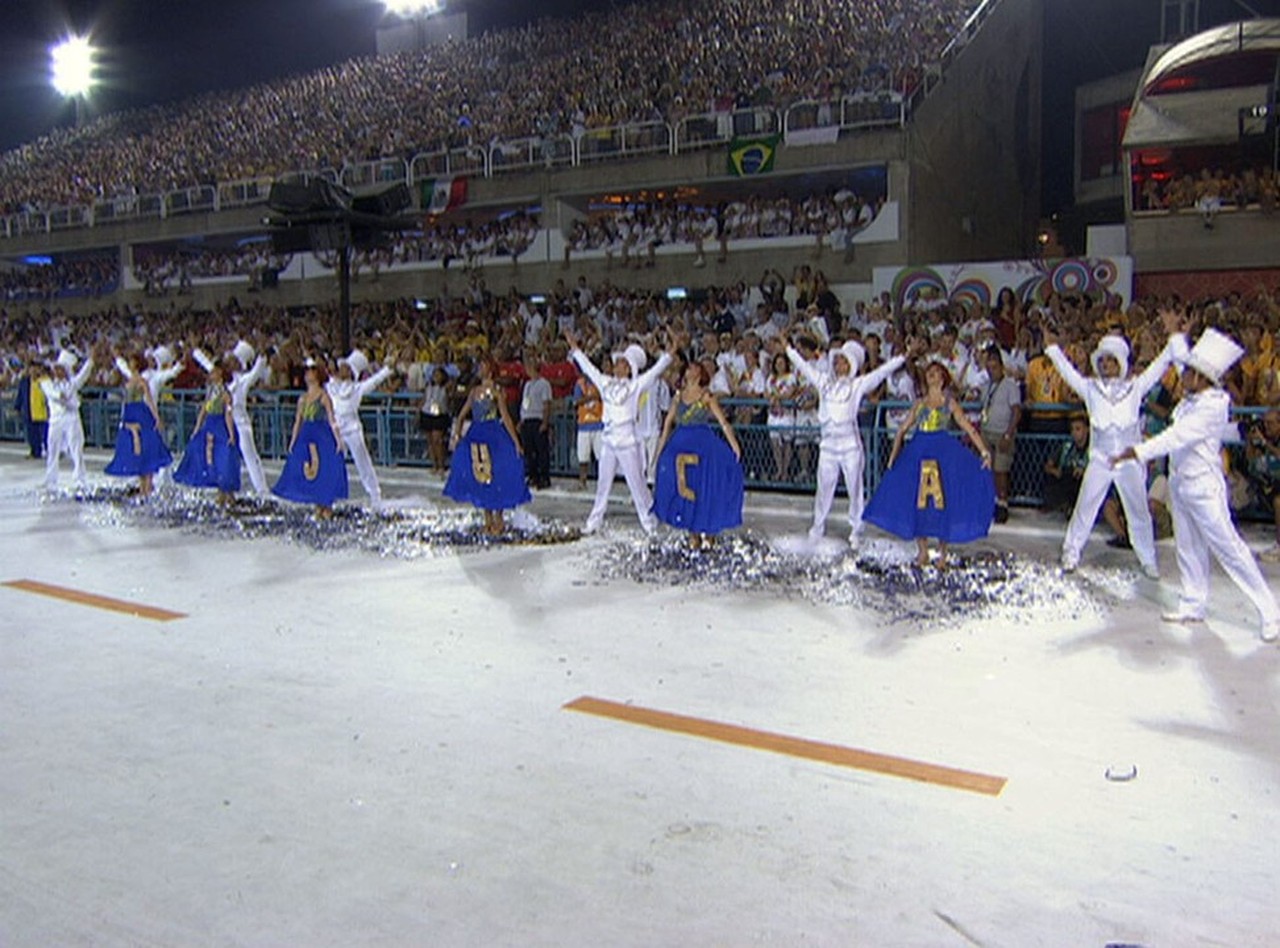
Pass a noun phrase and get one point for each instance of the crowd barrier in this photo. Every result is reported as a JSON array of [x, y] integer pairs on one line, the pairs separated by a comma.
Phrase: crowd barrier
[[394, 438]]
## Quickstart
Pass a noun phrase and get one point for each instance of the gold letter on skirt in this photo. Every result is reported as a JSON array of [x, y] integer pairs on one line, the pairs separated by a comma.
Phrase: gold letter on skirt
[[930, 487]]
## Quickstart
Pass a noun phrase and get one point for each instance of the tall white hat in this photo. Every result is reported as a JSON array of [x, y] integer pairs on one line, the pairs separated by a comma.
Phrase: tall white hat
[[1213, 354], [634, 356], [67, 359], [358, 361], [1113, 346], [854, 353], [244, 352], [163, 356]]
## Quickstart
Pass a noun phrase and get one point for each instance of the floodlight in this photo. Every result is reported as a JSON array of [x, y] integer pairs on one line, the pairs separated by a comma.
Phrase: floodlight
[[71, 63], [414, 7]]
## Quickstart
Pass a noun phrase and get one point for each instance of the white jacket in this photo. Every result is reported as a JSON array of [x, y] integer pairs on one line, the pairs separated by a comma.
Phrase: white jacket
[[621, 397], [347, 395], [1115, 405], [63, 395], [1193, 441], [840, 396]]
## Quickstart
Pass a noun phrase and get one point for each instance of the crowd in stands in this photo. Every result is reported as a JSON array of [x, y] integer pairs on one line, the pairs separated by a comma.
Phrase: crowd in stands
[[71, 276], [1210, 191], [632, 233], [449, 241], [160, 271], [632, 63]]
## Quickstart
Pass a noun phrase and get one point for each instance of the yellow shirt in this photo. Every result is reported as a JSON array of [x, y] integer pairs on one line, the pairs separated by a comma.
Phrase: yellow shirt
[[39, 405]]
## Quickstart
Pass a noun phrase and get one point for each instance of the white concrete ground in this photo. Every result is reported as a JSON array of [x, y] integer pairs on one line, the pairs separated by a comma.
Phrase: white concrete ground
[[335, 748]]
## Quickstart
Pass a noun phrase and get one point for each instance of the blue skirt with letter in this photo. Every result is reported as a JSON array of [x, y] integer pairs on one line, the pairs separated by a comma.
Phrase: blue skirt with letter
[[139, 447], [938, 488], [211, 458], [698, 486], [315, 472], [486, 470]]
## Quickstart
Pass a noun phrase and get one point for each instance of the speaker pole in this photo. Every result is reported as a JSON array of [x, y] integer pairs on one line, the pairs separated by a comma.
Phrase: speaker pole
[[344, 293]]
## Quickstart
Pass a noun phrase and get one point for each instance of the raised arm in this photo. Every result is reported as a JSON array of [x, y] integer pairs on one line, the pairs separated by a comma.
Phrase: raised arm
[[165, 376], [804, 367], [1174, 349], [78, 380], [874, 378], [647, 378], [588, 367], [257, 373], [1075, 381], [372, 382]]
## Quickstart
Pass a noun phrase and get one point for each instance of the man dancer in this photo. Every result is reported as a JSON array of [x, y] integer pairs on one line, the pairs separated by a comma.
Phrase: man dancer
[[840, 393], [1114, 403], [1198, 488], [622, 449], [66, 432], [239, 387], [346, 390]]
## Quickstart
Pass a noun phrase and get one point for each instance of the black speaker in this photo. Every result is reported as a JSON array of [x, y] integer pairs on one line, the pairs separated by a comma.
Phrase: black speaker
[[385, 202], [309, 196]]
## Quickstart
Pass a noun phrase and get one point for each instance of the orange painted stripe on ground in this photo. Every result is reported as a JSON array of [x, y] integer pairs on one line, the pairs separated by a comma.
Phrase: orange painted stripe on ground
[[98, 602], [793, 746]]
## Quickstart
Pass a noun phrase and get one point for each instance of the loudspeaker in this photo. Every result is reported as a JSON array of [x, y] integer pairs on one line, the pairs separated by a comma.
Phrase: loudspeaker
[[386, 202], [291, 196]]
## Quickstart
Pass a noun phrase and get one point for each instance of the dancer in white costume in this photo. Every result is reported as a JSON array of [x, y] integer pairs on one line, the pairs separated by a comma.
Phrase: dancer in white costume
[[239, 387], [840, 393], [1198, 488], [66, 432], [622, 449], [347, 390], [1114, 402]]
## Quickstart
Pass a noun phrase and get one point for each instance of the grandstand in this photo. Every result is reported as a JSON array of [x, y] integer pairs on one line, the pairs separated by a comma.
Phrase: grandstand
[[938, 98]]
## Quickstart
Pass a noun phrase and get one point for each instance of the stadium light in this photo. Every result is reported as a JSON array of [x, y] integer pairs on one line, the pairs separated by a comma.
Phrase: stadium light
[[414, 7], [72, 66]]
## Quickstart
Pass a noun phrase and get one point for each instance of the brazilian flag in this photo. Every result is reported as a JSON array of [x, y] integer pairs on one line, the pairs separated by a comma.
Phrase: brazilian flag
[[752, 155]]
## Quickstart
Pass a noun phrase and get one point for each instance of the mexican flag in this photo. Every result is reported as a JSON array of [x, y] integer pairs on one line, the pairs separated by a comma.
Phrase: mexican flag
[[443, 194]]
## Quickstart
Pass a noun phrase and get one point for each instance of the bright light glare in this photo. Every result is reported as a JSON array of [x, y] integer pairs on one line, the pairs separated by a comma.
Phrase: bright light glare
[[72, 65], [415, 7]]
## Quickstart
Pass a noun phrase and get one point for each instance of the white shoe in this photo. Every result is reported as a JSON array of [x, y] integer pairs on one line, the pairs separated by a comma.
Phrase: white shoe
[[1271, 554], [1270, 631], [1069, 565], [1182, 616], [1151, 571]]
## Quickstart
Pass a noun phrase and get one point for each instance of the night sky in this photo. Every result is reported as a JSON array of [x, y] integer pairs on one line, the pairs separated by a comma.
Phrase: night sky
[[161, 50]]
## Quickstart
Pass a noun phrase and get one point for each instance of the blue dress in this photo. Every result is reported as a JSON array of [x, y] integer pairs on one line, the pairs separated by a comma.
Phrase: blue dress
[[139, 448], [937, 487], [698, 485], [315, 471], [486, 470], [211, 458]]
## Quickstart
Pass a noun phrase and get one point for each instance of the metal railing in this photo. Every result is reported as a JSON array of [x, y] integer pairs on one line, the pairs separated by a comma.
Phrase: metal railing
[[394, 438]]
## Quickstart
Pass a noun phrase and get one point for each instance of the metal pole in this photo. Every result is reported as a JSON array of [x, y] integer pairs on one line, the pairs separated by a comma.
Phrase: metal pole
[[344, 293]]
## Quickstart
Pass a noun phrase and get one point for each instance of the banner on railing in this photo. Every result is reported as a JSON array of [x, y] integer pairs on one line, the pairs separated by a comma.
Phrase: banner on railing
[[821, 135], [1030, 280], [443, 194], [752, 155]]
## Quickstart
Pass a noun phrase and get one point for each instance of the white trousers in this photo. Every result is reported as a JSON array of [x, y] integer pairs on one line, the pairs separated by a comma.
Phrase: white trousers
[[65, 434], [1131, 484], [249, 451], [630, 461], [832, 462], [1202, 526], [353, 440]]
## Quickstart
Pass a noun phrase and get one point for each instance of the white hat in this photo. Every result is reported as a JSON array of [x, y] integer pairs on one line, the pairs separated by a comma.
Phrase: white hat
[[163, 356], [67, 359], [853, 353], [358, 361], [1214, 353], [1113, 346], [634, 356], [244, 352]]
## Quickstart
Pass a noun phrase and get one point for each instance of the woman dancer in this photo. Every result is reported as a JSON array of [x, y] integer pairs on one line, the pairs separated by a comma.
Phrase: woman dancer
[[140, 447], [621, 449], [315, 471], [212, 458], [699, 485], [935, 487], [487, 469]]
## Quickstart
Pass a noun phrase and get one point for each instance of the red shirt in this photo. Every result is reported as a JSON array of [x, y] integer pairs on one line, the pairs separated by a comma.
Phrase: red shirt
[[561, 375], [512, 376]]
